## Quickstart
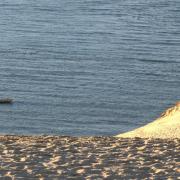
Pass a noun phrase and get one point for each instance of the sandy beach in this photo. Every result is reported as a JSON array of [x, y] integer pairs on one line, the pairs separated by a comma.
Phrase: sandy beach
[[149, 152], [58, 157]]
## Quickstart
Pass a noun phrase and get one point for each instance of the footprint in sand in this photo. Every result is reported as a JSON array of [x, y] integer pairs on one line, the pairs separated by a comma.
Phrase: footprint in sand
[[52, 163]]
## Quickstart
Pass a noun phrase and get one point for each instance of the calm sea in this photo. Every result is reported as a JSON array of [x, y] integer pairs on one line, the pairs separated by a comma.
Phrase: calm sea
[[87, 67]]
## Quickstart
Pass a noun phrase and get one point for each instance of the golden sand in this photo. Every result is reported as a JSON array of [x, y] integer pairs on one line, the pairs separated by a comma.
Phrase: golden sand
[[153, 156], [167, 126], [93, 158]]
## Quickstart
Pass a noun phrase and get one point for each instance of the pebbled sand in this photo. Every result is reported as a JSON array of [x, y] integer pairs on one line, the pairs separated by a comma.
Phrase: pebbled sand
[[167, 126], [55, 157]]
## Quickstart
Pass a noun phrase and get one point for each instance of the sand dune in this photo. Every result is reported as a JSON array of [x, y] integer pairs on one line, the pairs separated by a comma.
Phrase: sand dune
[[167, 126]]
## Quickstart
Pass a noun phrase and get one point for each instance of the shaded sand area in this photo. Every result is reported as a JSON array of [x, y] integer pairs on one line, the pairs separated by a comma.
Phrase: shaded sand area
[[58, 157]]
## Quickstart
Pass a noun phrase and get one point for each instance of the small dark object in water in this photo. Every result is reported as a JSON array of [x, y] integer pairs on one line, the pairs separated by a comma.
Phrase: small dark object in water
[[6, 101]]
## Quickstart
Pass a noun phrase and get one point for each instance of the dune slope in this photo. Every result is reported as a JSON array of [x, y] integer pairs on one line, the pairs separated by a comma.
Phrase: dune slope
[[167, 126]]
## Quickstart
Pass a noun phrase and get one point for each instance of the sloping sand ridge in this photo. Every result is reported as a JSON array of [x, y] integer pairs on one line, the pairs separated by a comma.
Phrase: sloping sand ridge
[[167, 126]]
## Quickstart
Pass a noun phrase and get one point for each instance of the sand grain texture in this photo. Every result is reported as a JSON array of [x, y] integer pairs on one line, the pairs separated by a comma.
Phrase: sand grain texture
[[55, 157]]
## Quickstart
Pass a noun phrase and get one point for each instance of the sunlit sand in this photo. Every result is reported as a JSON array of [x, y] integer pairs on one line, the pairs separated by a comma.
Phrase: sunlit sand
[[167, 126], [61, 157], [58, 157]]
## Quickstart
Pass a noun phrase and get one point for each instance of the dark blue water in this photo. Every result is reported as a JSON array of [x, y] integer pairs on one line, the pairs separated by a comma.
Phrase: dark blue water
[[87, 67]]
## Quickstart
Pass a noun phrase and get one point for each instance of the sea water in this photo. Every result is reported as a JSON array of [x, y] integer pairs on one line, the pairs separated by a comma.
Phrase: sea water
[[87, 67]]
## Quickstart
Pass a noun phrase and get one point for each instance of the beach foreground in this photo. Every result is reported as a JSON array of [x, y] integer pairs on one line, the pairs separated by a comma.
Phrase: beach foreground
[[60, 157]]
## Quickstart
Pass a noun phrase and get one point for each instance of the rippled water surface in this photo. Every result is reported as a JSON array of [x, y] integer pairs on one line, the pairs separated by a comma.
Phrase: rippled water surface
[[87, 67]]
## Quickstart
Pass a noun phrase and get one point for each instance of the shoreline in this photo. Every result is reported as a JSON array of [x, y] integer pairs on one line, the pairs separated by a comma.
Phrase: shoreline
[[148, 152], [40, 137], [67, 157]]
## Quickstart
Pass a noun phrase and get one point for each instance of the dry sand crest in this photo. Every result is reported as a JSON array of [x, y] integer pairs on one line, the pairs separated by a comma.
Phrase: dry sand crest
[[167, 126]]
